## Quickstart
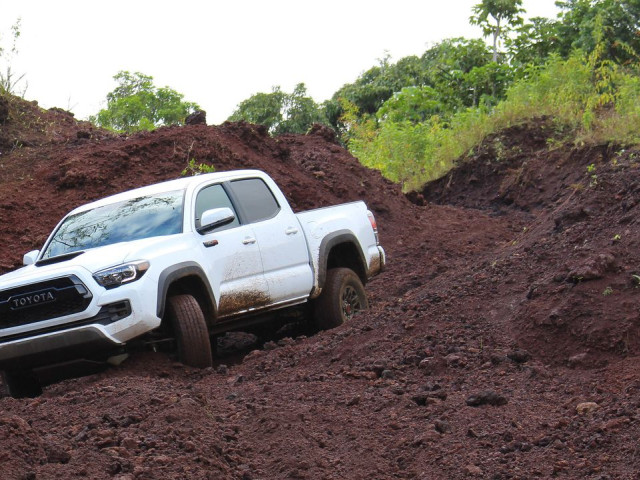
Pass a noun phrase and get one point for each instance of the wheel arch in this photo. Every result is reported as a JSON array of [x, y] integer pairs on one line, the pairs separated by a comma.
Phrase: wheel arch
[[341, 249], [186, 277]]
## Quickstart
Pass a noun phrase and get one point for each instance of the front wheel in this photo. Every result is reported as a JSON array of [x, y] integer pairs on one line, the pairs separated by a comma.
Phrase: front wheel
[[21, 384], [342, 297], [190, 330]]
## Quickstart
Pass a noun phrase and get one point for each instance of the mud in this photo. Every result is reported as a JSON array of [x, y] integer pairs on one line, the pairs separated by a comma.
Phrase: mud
[[241, 301], [502, 339]]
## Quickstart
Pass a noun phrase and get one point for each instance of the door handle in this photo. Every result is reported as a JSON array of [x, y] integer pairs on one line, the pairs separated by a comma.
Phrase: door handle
[[248, 240], [291, 231]]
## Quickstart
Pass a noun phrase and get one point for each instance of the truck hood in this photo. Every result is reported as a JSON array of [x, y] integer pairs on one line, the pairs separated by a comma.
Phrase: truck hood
[[92, 260]]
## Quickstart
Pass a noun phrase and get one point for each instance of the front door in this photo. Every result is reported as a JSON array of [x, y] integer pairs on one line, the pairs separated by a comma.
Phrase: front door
[[232, 256]]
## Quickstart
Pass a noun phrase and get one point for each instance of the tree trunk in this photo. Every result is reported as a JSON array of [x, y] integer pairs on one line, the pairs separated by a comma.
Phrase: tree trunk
[[496, 35]]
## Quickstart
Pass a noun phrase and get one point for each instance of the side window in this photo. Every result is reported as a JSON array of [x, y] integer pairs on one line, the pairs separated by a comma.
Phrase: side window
[[256, 200], [210, 197]]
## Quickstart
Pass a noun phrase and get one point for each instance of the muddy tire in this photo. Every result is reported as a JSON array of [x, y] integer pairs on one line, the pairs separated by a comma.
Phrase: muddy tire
[[21, 384], [190, 330], [342, 297]]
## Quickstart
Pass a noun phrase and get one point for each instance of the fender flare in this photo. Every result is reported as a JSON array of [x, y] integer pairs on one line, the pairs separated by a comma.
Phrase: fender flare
[[176, 272], [331, 240]]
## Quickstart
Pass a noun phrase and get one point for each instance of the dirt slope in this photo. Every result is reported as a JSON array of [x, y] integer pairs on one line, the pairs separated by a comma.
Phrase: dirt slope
[[491, 349]]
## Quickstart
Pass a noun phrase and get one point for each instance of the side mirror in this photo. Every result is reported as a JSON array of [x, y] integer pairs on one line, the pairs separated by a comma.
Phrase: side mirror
[[31, 257], [214, 218]]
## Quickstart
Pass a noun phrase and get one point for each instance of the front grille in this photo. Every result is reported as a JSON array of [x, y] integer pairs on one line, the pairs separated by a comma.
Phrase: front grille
[[43, 301]]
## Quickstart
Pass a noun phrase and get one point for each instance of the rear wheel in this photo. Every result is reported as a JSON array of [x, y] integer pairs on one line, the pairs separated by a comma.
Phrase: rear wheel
[[21, 384], [342, 297], [190, 330]]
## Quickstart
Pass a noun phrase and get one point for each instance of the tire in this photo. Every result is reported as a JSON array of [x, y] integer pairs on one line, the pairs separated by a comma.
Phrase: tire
[[21, 384], [190, 330], [342, 297]]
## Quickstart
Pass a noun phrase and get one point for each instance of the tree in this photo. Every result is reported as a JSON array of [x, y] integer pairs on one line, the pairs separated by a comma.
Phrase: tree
[[581, 22], [411, 104], [534, 43], [505, 13], [279, 111], [448, 66], [137, 104]]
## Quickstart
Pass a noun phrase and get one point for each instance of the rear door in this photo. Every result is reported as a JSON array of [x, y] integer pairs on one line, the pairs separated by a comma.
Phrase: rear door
[[283, 247], [232, 256]]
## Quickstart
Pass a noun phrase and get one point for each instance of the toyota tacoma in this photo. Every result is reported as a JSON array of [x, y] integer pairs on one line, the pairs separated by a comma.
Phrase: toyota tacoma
[[178, 263]]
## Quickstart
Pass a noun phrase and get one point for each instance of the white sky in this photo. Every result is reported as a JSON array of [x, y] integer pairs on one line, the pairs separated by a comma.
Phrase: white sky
[[220, 53]]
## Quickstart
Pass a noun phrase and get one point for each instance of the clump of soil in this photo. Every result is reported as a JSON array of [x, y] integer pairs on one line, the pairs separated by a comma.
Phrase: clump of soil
[[502, 341]]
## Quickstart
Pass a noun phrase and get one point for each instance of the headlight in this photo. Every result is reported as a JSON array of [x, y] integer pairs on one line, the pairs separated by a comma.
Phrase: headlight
[[115, 276]]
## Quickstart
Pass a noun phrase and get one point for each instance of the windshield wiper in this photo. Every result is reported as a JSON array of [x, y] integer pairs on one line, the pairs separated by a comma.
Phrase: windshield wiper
[[59, 258]]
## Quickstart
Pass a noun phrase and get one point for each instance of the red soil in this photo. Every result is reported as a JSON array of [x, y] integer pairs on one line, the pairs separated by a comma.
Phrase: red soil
[[511, 298]]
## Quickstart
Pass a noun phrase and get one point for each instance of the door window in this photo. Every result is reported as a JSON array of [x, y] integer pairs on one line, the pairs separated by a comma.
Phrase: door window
[[210, 197]]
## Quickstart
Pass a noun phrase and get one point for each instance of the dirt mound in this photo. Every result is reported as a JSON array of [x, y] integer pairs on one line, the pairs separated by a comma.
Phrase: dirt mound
[[501, 343], [44, 183], [576, 259]]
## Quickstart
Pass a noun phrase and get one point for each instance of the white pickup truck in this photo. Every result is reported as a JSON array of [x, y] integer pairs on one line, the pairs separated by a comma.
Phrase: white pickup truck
[[178, 262]]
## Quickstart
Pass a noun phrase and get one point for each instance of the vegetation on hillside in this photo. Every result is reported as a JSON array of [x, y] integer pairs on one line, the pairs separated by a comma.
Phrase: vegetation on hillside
[[414, 118], [11, 82], [137, 104]]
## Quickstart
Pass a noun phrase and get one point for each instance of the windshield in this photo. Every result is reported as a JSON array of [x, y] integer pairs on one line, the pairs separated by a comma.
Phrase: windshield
[[143, 217]]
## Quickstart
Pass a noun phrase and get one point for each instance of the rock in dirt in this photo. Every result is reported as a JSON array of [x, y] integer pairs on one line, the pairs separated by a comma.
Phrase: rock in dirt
[[519, 356], [198, 117], [353, 401], [578, 360], [593, 268], [442, 426], [586, 408], [488, 397], [473, 470], [325, 132], [388, 375]]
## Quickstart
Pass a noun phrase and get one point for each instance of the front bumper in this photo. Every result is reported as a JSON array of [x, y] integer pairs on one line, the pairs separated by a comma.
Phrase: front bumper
[[112, 318], [85, 342]]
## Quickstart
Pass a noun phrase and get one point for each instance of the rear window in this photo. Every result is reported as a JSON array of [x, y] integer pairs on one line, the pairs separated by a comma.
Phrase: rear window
[[256, 199]]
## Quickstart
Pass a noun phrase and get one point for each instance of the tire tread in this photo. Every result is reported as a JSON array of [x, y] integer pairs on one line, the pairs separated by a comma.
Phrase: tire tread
[[190, 328]]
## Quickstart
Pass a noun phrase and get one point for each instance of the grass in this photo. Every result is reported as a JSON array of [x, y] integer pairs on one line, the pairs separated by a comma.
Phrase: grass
[[570, 91]]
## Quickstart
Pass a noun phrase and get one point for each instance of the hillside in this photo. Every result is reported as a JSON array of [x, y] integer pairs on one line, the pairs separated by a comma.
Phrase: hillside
[[502, 341]]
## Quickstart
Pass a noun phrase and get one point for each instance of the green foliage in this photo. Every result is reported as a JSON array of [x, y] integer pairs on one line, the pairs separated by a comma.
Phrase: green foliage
[[411, 104], [279, 111], [396, 149], [575, 92], [415, 118], [533, 43], [194, 168], [10, 82], [262, 109], [455, 69], [580, 20], [413, 154], [593, 176], [137, 104], [505, 15], [560, 89]]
